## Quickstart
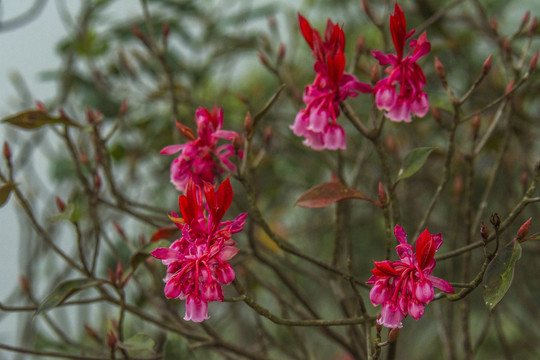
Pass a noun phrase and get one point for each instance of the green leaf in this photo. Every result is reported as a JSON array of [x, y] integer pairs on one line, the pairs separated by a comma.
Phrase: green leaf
[[5, 190], [71, 214], [414, 162], [176, 348], [139, 343], [144, 252], [327, 193], [33, 119], [500, 273], [63, 291]]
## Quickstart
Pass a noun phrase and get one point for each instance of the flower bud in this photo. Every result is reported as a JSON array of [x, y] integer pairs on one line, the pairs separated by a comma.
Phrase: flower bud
[[123, 108], [248, 122], [25, 285], [458, 186], [119, 272], [374, 74], [281, 53], [119, 229], [439, 68], [112, 341], [487, 65], [112, 275], [484, 231], [165, 30], [393, 335], [534, 61], [360, 44], [532, 28], [495, 220], [7, 151], [524, 179], [62, 113], [41, 107], [97, 180], [524, 229], [90, 116], [264, 59], [506, 46], [494, 24], [238, 143], [382, 194], [139, 35], [509, 89], [60, 204], [91, 332], [436, 115], [267, 137], [390, 144], [525, 18]]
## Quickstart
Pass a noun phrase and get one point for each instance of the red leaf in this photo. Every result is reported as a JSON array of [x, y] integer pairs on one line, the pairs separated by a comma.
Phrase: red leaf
[[164, 233], [328, 193]]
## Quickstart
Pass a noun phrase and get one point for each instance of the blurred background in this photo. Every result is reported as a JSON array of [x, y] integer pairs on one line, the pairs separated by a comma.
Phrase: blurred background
[[235, 54]]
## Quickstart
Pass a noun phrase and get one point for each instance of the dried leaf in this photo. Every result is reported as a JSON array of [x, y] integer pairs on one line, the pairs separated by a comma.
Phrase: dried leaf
[[164, 233], [328, 193], [33, 119]]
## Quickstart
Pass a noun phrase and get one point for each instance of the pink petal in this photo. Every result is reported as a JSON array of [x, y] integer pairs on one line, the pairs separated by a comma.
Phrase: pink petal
[[400, 234], [423, 291], [171, 149], [227, 253], [196, 309], [391, 316], [416, 309], [166, 254], [334, 138], [441, 284]]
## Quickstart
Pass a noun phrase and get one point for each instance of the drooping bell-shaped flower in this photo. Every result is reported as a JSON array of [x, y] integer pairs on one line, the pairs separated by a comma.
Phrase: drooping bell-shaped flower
[[197, 263], [401, 93], [197, 157], [317, 123], [404, 287]]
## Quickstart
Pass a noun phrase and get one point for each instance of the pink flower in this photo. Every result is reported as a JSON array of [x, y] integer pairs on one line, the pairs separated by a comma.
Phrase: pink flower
[[197, 262], [404, 287], [196, 158], [317, 122], [398, 104]]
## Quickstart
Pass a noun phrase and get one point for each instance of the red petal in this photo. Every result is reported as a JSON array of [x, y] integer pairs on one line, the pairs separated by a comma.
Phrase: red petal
[[224, 199], [425, 249], [386, 268], [306, 30]]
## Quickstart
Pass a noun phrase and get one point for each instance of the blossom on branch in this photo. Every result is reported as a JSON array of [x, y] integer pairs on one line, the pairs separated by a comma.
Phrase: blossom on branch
[[197, 159], [401, 92], [404, 287], [318, 121], [197, 263]]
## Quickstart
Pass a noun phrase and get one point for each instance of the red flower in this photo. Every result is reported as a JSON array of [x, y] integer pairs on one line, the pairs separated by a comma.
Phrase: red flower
[[197, 262], [317, 122], [403, 72], [195, 160], [404, 287]]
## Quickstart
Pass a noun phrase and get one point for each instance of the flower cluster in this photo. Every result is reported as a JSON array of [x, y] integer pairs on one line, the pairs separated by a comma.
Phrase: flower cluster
[[196, 160], [403, 73], [197, 262], [404, 287], [317, 122]]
